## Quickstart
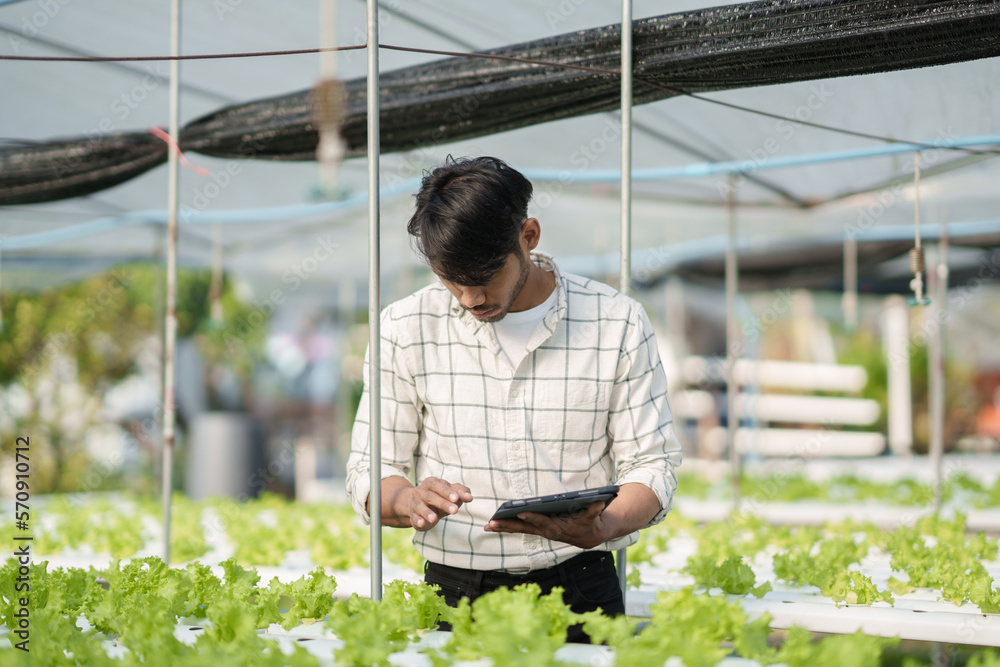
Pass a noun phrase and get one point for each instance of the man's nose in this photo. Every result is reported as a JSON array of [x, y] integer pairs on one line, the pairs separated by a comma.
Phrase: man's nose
[[472, 297]]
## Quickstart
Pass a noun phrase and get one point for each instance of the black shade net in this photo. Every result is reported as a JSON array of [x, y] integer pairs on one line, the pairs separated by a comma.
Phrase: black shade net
[[735, 46]]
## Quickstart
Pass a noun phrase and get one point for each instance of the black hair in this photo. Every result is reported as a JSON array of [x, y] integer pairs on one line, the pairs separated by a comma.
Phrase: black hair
[[468, 218]]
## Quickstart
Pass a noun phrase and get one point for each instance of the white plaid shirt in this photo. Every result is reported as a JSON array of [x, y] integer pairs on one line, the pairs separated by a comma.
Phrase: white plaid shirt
[[586, 407]]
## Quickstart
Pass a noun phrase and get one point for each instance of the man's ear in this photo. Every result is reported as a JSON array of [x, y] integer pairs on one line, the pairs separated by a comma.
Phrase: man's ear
[[531, 233]]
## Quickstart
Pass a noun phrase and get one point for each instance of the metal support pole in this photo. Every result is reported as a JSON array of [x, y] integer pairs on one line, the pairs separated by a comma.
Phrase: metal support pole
[[170, 319], [850, 298], [935, 359], [374, 301], [625, 278], [732, 341], [215, 292]]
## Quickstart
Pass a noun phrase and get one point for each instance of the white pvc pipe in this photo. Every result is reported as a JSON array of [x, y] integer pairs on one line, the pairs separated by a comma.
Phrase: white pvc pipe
[[790, 408], [170, 318], [970, 627], [625, 278], [896, 334], [774, 373], [374, 299]]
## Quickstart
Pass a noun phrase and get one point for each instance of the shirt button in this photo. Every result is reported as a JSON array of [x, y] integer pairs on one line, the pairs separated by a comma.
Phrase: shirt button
[[517, 445]]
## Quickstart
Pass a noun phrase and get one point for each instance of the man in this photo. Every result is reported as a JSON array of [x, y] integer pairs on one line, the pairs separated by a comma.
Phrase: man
[[510, 379]]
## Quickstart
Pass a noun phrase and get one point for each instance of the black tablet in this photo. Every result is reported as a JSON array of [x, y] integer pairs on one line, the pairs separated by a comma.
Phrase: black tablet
[[558, 503]]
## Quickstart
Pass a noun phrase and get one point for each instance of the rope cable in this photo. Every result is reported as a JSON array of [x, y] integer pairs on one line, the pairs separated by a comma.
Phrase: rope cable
[[917, 252]]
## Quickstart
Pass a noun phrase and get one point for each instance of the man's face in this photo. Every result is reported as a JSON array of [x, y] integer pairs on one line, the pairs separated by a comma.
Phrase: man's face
[[492, 301]]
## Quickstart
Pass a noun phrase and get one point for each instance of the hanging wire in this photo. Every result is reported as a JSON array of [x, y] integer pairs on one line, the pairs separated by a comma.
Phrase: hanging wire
[[329, 100], [917, 252]]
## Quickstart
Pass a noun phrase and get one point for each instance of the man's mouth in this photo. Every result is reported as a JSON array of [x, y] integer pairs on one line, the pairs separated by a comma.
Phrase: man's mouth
[[480, 314]]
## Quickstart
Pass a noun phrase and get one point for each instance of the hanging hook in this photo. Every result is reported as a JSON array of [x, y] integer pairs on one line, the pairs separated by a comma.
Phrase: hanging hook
[[917, 252]]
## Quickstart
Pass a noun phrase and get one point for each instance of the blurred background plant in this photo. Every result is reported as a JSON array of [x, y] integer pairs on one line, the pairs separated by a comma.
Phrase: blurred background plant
[[74, 357]]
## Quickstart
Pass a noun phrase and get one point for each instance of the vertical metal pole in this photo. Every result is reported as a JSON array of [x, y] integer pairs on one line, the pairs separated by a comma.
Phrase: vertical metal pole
[[935, 360], [170, 324], [850, 298], [215, 292], [625, 278], [732, 333], [374, 300]]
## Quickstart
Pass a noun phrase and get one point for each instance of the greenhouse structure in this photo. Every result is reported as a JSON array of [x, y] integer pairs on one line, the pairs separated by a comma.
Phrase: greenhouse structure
[[204, 216]]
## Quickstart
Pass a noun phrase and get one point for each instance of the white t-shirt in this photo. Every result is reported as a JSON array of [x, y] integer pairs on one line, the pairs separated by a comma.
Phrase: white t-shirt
[[515, 329]]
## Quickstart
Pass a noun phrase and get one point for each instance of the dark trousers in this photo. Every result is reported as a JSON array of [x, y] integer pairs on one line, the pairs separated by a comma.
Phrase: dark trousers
[[589, 581]]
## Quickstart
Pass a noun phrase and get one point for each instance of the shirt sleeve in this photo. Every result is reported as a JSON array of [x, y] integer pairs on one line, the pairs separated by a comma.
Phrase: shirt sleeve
[[640, 426], [401, 421]]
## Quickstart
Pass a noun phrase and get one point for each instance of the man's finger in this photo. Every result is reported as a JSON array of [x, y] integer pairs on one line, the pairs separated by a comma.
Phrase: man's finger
[[511, 526], [438, 505], [455, 493], [422, 515]]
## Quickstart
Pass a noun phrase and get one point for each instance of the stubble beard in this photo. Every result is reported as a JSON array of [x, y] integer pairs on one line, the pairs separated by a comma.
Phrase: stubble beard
[[522, 280]]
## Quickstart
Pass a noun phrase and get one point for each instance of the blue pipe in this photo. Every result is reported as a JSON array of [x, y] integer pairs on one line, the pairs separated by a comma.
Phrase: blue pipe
[[188, 216], [284, 213], [702, 169]]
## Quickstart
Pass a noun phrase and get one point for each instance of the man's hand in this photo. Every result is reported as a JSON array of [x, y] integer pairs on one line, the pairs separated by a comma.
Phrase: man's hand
[[585, 529], [420, 507]]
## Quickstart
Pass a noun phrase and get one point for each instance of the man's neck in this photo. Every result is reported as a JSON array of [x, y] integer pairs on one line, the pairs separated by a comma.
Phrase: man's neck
[[537, 288]]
